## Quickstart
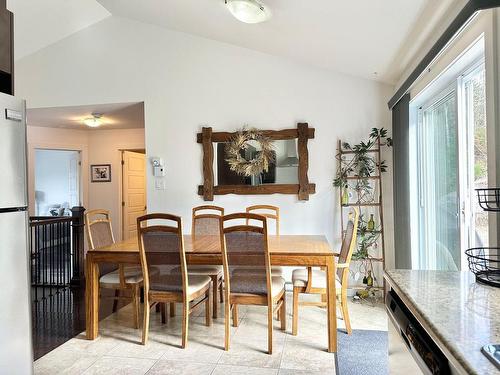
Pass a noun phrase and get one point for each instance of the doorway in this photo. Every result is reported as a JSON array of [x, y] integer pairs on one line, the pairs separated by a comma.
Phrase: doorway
[[133, 190], [57, 181]]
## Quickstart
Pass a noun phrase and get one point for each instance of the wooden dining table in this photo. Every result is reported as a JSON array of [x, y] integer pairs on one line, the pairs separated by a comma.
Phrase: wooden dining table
[[284, 250]]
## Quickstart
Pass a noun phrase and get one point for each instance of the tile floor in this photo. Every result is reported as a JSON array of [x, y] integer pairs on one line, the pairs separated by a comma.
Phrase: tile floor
[[117, 350]]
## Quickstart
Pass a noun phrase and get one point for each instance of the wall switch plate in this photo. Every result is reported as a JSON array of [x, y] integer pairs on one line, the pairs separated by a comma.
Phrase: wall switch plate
[[160, 184]]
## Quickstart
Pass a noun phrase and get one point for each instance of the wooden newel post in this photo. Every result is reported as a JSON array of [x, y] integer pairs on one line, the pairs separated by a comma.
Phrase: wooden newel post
[[78, 246]]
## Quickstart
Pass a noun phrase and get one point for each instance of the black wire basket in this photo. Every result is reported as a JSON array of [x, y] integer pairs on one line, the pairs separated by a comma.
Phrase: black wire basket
[[484, 262], [489, 199]]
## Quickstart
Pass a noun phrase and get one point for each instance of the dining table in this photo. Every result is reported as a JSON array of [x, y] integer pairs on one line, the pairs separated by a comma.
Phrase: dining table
[[284, 250]]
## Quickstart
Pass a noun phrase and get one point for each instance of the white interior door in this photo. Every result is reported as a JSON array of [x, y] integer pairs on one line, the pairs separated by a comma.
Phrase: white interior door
[[134, 191]]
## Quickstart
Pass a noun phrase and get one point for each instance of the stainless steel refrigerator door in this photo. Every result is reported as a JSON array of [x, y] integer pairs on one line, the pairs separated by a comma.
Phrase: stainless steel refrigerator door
[[13, 191], [16, 354]]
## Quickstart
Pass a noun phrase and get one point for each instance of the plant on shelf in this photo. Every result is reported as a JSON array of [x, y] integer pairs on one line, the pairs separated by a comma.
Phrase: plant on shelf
[[366, 239], [359, 173], [362, 165]]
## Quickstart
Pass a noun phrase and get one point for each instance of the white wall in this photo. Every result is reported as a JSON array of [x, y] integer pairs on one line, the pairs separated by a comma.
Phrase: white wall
[[104, 148], [97, 147], [188, 82]]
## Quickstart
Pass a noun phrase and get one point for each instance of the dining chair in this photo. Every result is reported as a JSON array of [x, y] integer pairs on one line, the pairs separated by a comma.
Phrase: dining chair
[[314, 281], [118, 277], [247, 245], [270, 213], [205, 223], [161, 244]]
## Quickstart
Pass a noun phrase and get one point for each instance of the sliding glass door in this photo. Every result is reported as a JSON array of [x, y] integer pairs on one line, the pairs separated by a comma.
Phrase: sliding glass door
[[438, 190], [450, 162]]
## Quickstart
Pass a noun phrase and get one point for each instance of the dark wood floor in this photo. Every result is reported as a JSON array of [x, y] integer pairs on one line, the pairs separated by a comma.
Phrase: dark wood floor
[[59, 315]]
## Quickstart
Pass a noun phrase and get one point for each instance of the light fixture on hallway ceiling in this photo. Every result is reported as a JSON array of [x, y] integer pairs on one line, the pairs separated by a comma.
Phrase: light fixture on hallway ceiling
[[248, 11], [94, 121]]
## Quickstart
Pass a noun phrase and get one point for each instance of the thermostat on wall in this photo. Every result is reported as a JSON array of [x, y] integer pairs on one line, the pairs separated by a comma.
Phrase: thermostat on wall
[[158, 172], [158, 169]]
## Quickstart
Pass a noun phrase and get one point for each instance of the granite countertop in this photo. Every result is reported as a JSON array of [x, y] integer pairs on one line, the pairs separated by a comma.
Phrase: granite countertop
[[460, 314]]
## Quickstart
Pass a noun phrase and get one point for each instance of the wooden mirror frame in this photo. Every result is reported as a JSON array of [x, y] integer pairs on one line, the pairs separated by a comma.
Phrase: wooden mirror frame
[[303, 133]]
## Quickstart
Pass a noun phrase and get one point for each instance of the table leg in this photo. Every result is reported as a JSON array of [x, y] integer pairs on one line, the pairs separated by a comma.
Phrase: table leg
[[91, 298], [332, 305]]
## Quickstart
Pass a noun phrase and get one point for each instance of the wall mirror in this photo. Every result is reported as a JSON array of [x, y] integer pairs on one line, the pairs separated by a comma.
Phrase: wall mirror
[[287, 173], [284, 169]]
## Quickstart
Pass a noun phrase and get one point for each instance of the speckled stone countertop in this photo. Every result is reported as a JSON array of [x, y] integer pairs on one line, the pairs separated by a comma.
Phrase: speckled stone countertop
[[459, 314]]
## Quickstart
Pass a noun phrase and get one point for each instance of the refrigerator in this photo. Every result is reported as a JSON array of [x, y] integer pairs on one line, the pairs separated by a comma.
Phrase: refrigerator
[[16, 353]]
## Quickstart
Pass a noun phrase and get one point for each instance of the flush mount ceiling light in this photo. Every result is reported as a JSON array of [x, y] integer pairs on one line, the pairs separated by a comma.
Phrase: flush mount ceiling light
[[94, 121], [248, 11]]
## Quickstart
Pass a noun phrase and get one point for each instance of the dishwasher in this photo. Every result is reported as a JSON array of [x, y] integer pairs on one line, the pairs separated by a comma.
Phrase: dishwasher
[[411, 349]]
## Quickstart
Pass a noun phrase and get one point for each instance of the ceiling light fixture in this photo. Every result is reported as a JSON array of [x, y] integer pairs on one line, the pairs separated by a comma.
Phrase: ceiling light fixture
[[94, 121], [248, 11]]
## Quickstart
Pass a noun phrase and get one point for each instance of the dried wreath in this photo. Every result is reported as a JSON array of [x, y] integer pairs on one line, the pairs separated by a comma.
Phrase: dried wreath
[[260, 163]]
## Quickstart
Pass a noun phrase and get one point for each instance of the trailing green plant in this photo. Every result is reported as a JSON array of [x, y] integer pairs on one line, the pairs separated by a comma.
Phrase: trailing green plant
[[362, 165], [366, 239]]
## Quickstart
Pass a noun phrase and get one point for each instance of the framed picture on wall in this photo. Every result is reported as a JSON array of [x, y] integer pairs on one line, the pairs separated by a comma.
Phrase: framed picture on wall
[[100, 173]]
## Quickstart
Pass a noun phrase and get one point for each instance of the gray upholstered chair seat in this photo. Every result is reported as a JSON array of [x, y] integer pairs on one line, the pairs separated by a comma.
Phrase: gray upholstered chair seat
[[256, 284], [200, 270], [245, 270], [132, 274], [173, 283], [299, 279]]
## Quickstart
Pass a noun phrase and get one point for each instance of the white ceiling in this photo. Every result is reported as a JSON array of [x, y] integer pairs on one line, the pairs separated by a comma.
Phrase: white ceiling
[[354, 37], [114, 116], [357, 37], [39, 23]]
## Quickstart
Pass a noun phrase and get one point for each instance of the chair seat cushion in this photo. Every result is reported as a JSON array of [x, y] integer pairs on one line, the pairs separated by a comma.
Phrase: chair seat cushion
[[200, 270], [255, 284], [133, 275], [173, 283], [299, 279], [275, 270]]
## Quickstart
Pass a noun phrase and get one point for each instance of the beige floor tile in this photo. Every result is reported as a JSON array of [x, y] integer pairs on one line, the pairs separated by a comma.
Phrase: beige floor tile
[[62, 361], [285, 371], [118, 349], [121, 366], [253, 353], [366, 316], [311, 357], [152, 350], [201, 349], [166, 367], [242, 370], [252, 328], [101, 346]]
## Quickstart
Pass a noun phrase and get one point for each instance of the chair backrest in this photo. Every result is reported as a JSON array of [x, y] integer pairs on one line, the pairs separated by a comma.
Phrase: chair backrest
[[100, 234], [246, 245], [161, 244], [99, 230], [269, 212], [206, 221], [348, 243]]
